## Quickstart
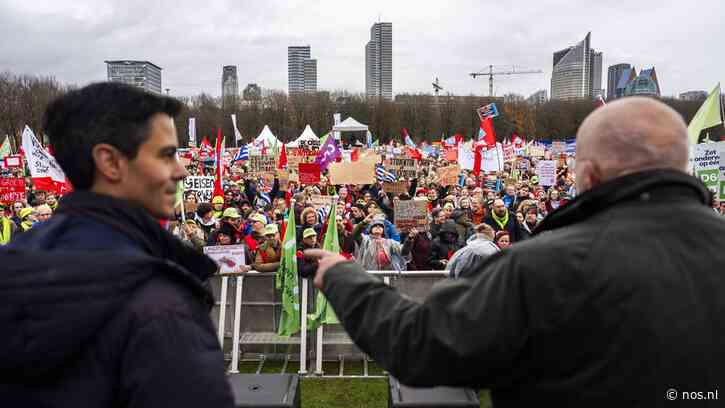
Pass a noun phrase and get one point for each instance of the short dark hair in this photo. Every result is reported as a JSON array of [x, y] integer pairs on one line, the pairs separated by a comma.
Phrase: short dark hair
[[203, 209], [105, 112]]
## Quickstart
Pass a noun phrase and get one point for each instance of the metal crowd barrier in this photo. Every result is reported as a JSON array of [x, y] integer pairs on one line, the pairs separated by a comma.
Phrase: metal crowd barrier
[[257, 332]]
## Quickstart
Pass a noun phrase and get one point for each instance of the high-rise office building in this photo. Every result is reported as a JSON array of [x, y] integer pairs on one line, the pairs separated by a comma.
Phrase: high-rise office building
[[252, 92], [645, 84], [379, 62], [230, 84], [143, 74], [614, 75], [577, 72], [301, 70]]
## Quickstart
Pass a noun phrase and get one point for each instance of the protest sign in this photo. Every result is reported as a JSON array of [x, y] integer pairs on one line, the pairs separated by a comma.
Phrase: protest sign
[[202, 185], [448, 176], [450, 153], [283, 177], [227, 257], [262, 164], [398, 187], [466, 156], [318, 201], [359, 172], [508, 152], [311, 146], [536, 150], [12, 189], [402, 167], [411, 214], [309, 173], [13, 161], [546, 171], [707, 164]]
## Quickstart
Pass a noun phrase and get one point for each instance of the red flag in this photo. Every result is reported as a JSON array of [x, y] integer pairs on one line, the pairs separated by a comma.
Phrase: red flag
[[487, 134], [477, 160], [282, 159], [414, 153], [218, 190], [353, 155]]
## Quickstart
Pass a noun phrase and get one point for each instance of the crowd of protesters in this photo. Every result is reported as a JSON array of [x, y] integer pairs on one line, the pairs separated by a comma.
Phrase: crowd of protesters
[[497, 210]]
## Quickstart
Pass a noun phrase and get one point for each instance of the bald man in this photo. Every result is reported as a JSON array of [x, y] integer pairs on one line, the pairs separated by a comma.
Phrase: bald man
[[617, 300]]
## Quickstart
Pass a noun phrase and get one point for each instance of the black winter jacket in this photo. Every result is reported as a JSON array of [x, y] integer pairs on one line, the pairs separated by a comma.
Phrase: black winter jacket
[[103, 308], [616, 299]]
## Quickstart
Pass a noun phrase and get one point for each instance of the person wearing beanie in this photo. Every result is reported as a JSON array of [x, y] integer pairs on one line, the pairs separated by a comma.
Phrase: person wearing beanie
[[464, 227], [376, 251], [444, 245]]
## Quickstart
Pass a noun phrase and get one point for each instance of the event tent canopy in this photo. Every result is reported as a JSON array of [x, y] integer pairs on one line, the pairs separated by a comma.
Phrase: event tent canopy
[[350, 125], [266, 138], [307, 135]]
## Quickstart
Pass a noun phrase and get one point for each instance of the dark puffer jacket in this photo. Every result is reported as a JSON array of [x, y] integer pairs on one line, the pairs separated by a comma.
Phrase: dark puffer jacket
[[442, 248], [102, 308], [617, 299]]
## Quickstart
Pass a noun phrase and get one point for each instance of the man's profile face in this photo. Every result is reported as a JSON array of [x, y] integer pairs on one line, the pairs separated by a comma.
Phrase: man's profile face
[[152, 175]]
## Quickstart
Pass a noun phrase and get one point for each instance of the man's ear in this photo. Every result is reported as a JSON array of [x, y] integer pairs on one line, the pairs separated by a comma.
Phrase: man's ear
[[110, 163]]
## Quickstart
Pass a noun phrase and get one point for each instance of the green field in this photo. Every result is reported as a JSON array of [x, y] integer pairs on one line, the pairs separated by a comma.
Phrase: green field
[[340, 392]]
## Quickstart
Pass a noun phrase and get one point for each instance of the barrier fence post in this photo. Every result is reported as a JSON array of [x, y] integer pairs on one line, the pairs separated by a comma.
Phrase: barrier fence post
[[222, 310], [318, 355], [303, 325], [237, 320]]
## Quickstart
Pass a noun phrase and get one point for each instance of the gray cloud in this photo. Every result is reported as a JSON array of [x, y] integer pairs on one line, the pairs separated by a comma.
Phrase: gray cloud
[[192, 40]]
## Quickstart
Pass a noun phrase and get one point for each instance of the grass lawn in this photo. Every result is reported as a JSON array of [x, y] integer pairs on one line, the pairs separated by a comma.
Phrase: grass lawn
[[340, 392]]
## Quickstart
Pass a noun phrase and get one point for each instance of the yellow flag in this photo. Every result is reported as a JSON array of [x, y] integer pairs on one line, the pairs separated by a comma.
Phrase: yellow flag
[[706, 117]]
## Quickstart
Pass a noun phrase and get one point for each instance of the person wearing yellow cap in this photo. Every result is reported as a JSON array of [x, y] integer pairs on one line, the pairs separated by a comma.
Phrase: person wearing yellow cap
[[217, 205], [307, 266], [270, 252], [27, 218], [7, 227], [257, 223]]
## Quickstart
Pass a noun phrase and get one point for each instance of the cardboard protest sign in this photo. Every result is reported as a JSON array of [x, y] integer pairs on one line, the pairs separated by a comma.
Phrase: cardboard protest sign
[[202, 185], [448, 176], [262, 164], [546, 170], [398, 187], [411, 214], [402, 167], [309, 173], [450, 153], [12, 189], [227, 257], [318, 201], [508, 152], [359, 172]]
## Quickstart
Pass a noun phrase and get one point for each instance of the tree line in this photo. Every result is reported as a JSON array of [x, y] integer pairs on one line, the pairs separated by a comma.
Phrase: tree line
[[23, 99]]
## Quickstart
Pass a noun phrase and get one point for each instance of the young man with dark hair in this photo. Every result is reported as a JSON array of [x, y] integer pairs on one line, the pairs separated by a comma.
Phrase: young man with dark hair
[[102, 307]]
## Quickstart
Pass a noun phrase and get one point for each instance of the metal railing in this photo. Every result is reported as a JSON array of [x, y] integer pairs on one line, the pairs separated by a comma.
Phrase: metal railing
[[270, 338]]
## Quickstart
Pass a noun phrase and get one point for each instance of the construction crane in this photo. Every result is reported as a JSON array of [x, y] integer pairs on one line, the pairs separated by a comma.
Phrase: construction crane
[[437, 87], [491, 74]]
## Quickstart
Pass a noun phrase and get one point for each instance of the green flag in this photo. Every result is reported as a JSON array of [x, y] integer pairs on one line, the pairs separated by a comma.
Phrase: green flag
[[289, 323], [706, 117], [5, 148], [323, 312], [324, 138]]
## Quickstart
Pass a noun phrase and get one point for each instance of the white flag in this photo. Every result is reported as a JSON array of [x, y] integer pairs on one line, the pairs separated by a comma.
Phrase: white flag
[[237, 135], [40, 162], [192, 132]]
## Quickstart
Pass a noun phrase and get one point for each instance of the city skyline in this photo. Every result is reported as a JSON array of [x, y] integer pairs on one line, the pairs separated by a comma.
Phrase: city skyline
[[68, 40]]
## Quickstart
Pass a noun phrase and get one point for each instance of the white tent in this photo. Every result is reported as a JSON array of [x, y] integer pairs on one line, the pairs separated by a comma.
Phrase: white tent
[[350, 125], [307, 135], [266, 138]]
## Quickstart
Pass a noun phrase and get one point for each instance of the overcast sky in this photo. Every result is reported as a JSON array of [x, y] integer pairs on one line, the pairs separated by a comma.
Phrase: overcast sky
[[448, 39]]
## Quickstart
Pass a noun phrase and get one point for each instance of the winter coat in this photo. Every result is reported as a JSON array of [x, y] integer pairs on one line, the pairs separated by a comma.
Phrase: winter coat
[[419, 249], [102, 307], [614, 301], [442, 249], [512, 226]]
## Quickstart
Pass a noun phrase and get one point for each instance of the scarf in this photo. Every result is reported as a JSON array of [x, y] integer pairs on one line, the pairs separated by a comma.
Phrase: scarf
[[5, 236], [136, 223], [26, 224], [501, 221]]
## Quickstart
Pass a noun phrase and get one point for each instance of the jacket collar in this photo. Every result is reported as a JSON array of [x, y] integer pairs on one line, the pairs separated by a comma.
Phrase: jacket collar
[[642, 185]]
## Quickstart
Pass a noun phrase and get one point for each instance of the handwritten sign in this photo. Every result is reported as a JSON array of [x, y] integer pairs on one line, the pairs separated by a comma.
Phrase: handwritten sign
[[403, 168], [358, 172], [398, 187], [227, 257], [203, 186], [261, 164], [12, 189], [410, 214], [309, 173], [318, 201], [448, 176], [546, 170]]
